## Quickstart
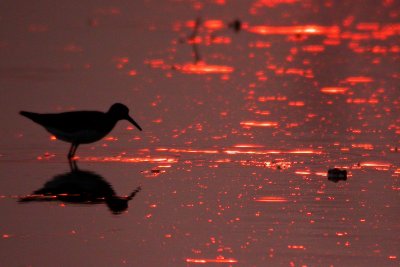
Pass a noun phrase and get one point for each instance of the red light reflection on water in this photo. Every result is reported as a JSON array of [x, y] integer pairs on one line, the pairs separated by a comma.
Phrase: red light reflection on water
[[295, 71], [273, 3], [120, 62], [303, 172], [271, 98], [313, 48], [301, 247], [203, 68], [359, 79], [334, 90], [110, 138], [363, 146], [220, 2], [296, 103], [46, 156], [214, 24], [303, 29], [217, 260], [266, 152], [209, 40], [208, 24], [320, 173], [6, 236], [259, 124], [309, 151], [376, 165], [271, 199], [362, 101], [191, 68], [125, 159], [198, 151], [248, 146]]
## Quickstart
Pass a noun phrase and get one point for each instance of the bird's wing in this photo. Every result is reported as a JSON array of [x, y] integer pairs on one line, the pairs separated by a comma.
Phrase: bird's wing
[[69, 122]]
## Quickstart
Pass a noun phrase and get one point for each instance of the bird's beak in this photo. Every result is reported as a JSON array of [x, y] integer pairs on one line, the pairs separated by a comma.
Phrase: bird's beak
[[133, 122]]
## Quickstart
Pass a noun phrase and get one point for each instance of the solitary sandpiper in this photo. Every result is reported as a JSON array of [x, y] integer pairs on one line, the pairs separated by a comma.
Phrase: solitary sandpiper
[[81, 127]]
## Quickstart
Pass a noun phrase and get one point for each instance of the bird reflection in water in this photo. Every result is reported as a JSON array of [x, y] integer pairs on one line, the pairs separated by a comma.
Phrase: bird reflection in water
[[81, 187]]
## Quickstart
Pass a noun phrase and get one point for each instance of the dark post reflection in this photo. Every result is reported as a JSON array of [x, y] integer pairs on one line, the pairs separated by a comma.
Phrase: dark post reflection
[[81, 187]]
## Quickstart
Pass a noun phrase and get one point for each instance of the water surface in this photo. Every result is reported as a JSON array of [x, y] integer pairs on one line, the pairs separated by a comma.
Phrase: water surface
[[241, 125]]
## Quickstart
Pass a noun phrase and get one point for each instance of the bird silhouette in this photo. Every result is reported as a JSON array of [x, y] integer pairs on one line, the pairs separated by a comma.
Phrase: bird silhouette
[[80, 187], [81, 127]]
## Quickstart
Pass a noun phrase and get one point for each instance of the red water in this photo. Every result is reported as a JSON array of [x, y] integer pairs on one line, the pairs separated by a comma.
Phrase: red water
[[240, 128]]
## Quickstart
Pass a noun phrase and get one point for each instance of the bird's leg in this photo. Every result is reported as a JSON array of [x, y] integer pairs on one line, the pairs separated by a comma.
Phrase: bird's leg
[[76, 147], [72, 165], [72, 151]]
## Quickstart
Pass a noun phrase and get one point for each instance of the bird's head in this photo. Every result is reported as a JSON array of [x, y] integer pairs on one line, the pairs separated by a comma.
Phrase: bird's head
[[117, 205], [121, 112]]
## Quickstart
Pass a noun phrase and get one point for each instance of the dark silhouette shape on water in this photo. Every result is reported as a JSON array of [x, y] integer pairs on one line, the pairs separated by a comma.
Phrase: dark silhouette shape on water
[[81, 187], [81, 127], [236, 25], [196, 28], [192, 40], [335, 175]]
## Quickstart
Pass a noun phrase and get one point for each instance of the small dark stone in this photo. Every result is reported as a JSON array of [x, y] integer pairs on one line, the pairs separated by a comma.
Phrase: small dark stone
[[336, 175]]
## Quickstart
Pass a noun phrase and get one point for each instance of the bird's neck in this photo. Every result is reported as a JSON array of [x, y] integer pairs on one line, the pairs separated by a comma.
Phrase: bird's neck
[[111, 122]]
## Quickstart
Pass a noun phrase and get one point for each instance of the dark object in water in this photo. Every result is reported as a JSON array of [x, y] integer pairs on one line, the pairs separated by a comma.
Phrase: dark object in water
[[335, 175], [81, 187], [236, 25]]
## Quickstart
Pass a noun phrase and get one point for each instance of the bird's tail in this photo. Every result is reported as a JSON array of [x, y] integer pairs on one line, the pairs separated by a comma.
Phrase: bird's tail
[[26, 114]]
